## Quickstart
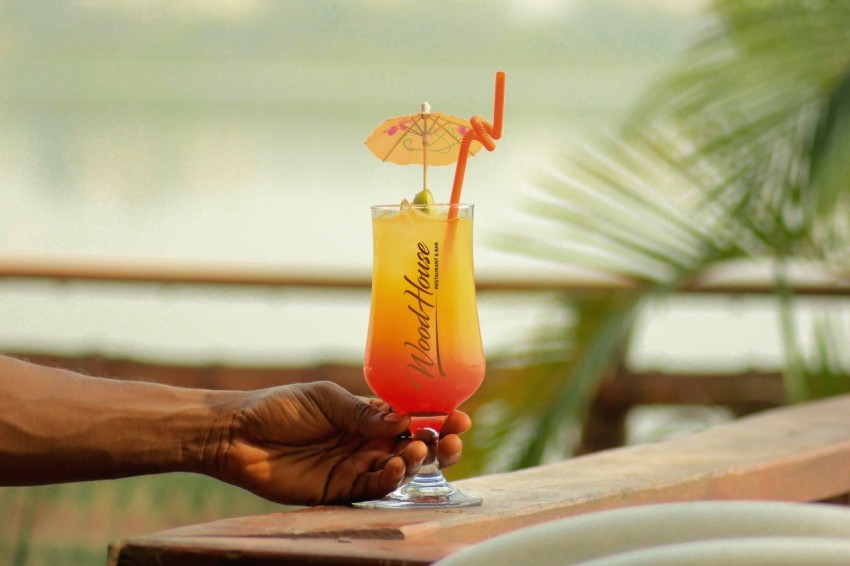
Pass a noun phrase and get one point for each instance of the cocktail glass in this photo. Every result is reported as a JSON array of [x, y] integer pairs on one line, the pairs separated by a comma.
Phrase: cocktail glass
[[423, 353]]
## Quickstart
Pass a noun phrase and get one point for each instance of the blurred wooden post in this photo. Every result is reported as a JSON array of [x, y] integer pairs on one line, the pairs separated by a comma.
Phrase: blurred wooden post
[[743, 394]]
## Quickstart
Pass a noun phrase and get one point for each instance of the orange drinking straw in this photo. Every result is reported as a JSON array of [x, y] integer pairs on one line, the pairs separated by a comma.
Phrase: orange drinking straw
[[483, 132]]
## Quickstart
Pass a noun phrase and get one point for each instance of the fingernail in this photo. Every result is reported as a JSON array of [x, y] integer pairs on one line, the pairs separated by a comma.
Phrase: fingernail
[[394, 417]]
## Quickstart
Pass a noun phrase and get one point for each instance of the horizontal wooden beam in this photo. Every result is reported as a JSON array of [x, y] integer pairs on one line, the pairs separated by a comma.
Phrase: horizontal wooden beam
[[744, 390], [174, 272], [210, 376], [752, 389], [786, 454]]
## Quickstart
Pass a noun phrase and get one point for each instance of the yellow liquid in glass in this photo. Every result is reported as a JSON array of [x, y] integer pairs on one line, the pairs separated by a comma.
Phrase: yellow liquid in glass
[[423, 354]]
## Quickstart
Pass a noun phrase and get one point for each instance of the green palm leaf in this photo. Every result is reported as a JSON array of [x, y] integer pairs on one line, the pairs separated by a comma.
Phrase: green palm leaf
[[757, 116], [741, 151]]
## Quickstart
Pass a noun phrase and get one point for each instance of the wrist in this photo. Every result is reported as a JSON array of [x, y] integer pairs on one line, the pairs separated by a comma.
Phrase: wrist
[[205, 446]]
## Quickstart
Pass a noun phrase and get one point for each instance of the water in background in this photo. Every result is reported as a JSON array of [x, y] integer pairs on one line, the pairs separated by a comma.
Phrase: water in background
[[213, 130]]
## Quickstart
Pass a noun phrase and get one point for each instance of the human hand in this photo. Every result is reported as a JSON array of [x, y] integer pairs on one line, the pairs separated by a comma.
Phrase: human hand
[[316, 443]]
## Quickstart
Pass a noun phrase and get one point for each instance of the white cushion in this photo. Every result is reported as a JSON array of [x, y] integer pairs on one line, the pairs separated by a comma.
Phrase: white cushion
[[606, 533]]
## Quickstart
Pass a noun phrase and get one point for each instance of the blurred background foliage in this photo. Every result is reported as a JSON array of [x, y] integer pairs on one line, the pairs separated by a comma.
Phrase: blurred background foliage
[[73, 523], [738, 153]]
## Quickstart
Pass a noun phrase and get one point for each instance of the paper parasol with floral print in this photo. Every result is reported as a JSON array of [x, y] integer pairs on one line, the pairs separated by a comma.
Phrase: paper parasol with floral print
[[426, 138]]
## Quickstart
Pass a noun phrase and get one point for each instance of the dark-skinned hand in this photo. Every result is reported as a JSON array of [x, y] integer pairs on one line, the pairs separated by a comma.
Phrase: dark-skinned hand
[[316, 443]]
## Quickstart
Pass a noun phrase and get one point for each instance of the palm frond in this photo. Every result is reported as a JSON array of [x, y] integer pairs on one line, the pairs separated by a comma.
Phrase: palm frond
[[740, 152], [828, 368], [755, 116], [604, 327], [830, 172]]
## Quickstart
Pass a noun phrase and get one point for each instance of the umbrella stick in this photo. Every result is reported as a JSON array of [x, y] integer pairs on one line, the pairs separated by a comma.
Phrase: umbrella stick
[[425, 109]]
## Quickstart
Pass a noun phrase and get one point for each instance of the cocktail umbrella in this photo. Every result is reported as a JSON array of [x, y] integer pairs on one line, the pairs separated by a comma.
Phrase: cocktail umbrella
[[426, 138]]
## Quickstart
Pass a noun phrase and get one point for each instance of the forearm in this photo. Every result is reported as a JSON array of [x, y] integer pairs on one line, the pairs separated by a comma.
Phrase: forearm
[[58, 426]]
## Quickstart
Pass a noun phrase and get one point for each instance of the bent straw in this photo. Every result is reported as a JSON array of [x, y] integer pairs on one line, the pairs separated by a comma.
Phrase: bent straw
[[483, 132]]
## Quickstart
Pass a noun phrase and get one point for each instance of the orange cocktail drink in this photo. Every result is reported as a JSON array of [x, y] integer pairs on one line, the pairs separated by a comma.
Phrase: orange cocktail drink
[[423, 353]]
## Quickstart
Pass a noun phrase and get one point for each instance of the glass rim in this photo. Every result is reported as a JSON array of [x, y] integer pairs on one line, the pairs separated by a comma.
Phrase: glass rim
[[442, 205]]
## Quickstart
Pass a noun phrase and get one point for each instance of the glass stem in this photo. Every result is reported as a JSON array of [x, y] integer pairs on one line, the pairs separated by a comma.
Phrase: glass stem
[[429, 482]]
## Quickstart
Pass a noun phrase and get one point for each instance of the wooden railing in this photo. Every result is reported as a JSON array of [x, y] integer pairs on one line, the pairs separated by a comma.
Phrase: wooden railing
[[178, 272]]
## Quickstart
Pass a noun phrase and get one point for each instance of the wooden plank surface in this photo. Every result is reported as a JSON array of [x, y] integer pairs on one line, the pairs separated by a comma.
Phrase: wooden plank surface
[[797, 453]]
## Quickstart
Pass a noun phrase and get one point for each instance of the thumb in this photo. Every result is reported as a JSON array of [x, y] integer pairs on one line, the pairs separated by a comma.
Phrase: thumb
[[355, 416], [373, 422]]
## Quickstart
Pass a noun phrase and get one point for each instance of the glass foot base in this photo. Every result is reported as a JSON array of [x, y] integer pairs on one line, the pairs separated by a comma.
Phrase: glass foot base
[[396, 501], [426, 490]]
